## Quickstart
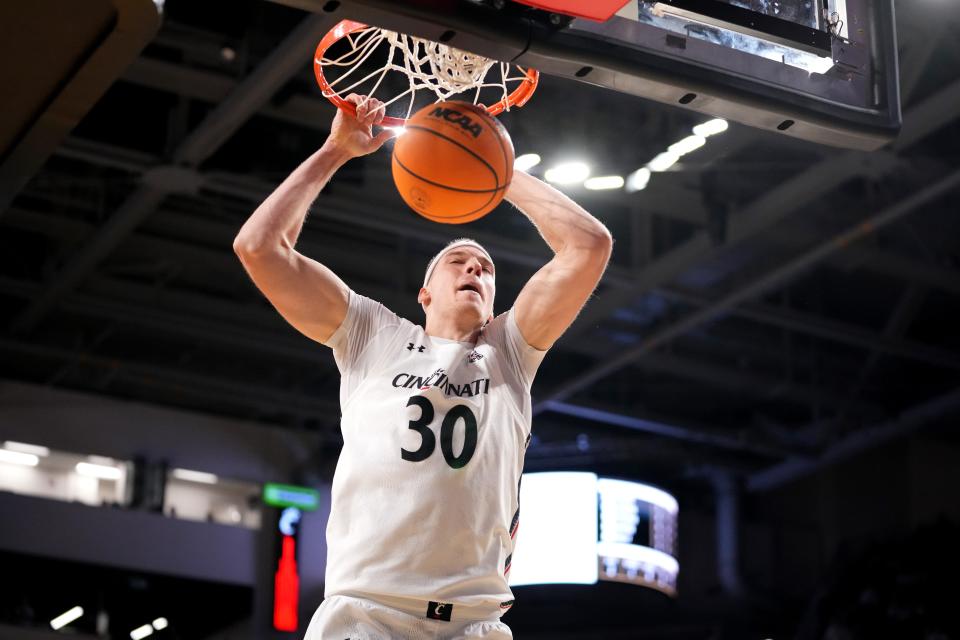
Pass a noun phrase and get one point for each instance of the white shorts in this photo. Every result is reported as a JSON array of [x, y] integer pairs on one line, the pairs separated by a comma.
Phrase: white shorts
[[349, 618]]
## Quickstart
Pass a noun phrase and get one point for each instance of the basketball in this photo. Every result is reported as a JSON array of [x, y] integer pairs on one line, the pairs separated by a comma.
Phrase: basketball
[[453, 163]]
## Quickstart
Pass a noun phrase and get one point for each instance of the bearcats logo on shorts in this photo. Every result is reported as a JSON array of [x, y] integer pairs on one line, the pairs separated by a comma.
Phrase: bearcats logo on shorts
[[439, 610]]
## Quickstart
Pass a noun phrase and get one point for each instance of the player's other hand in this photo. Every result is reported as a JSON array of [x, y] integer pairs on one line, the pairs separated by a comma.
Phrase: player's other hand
[[354, 134]]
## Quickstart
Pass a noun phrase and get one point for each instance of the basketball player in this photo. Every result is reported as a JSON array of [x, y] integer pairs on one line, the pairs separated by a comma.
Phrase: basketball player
[[435, 419]]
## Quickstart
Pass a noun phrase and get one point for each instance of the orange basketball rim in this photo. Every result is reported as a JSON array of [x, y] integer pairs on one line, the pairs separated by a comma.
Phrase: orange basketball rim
[[349, 29]]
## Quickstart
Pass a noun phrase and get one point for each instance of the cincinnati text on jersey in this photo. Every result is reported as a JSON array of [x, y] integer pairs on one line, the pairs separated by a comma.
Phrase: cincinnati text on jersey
[[439, 380]]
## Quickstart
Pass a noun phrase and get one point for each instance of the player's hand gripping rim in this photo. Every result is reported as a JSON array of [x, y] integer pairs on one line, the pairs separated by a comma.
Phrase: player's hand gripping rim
[[354, 134]]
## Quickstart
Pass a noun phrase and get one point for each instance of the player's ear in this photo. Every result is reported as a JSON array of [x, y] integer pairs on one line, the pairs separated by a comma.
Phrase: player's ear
[[423, 297]]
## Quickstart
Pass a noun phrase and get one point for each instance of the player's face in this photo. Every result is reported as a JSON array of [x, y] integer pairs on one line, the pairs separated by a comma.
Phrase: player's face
[[464, 279]]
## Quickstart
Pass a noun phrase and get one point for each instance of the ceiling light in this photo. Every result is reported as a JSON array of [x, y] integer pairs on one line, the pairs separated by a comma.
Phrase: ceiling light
[[526, 162], [64, 619], [100, 471], [637, 181], [567, 173], [15, 457], [160, 624], [604, 182], [711, 127], [195, 476], [688, 144], [141, 632], [397, 131], [108, 462], [663, 161], [27, 448]]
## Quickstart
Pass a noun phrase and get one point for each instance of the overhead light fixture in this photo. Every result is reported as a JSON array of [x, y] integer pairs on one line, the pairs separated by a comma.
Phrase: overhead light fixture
[[637, 181], [66, 618], [100, 471], [141, 632], [16, 457], [195, 476], [567, 173], [604, 182], [688, 144], [22, 447], [711, 127], [160, 624], [398, 131], [526, 161], [663, 161]]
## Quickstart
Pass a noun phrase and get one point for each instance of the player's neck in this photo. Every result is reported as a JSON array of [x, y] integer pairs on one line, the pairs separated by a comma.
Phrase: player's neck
[[453, 328]]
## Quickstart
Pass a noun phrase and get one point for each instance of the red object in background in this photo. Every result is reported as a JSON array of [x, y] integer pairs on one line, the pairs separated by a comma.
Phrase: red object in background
[[599, 10], [286, 592]]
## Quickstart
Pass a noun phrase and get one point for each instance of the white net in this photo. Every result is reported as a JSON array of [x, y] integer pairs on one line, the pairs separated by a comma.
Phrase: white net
[[428, 66]]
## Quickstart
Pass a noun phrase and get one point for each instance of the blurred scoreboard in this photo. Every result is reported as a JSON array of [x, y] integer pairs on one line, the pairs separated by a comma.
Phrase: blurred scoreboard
[[638, 534], [577, 528]]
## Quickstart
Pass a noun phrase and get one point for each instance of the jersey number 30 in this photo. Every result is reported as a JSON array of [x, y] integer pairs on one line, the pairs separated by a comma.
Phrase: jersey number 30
[[429, 441]]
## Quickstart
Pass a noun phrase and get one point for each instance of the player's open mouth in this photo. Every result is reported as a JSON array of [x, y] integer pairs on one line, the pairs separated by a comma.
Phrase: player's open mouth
[[470, 287]]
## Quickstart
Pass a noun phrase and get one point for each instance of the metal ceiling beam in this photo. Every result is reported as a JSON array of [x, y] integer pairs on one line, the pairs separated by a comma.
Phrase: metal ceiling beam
[[832, 330], [757, 385], [901, 268], [245, 100], [655, 427], [902, 315], [861, 440], [195, 253], [766, 282], [211, 87], [188, 384]]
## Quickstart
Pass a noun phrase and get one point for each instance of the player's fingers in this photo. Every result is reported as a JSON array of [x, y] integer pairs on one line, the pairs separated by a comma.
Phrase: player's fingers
[[379, 112], [364, 107], [375, 111]]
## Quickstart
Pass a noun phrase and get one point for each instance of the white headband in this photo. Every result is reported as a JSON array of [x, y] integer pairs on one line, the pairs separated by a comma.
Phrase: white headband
[[456, 244]]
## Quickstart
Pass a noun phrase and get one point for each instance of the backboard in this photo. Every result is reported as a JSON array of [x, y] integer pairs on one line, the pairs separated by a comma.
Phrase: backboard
[[819, 70]]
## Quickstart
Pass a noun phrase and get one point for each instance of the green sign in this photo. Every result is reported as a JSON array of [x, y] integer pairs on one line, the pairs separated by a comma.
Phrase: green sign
[[287, 495]]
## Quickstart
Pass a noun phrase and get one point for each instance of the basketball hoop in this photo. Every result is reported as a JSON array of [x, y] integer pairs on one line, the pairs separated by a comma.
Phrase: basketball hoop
[[423, 66]]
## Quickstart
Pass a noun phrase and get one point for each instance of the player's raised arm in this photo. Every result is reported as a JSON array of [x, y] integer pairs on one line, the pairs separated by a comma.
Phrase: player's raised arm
[[553, 297], [306, 293]]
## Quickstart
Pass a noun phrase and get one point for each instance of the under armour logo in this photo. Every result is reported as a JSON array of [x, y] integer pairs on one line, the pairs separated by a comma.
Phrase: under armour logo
[[420, 349], [439, 610]]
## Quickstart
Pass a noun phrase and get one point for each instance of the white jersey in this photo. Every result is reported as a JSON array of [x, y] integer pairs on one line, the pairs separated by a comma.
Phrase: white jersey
[[425, 498]]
